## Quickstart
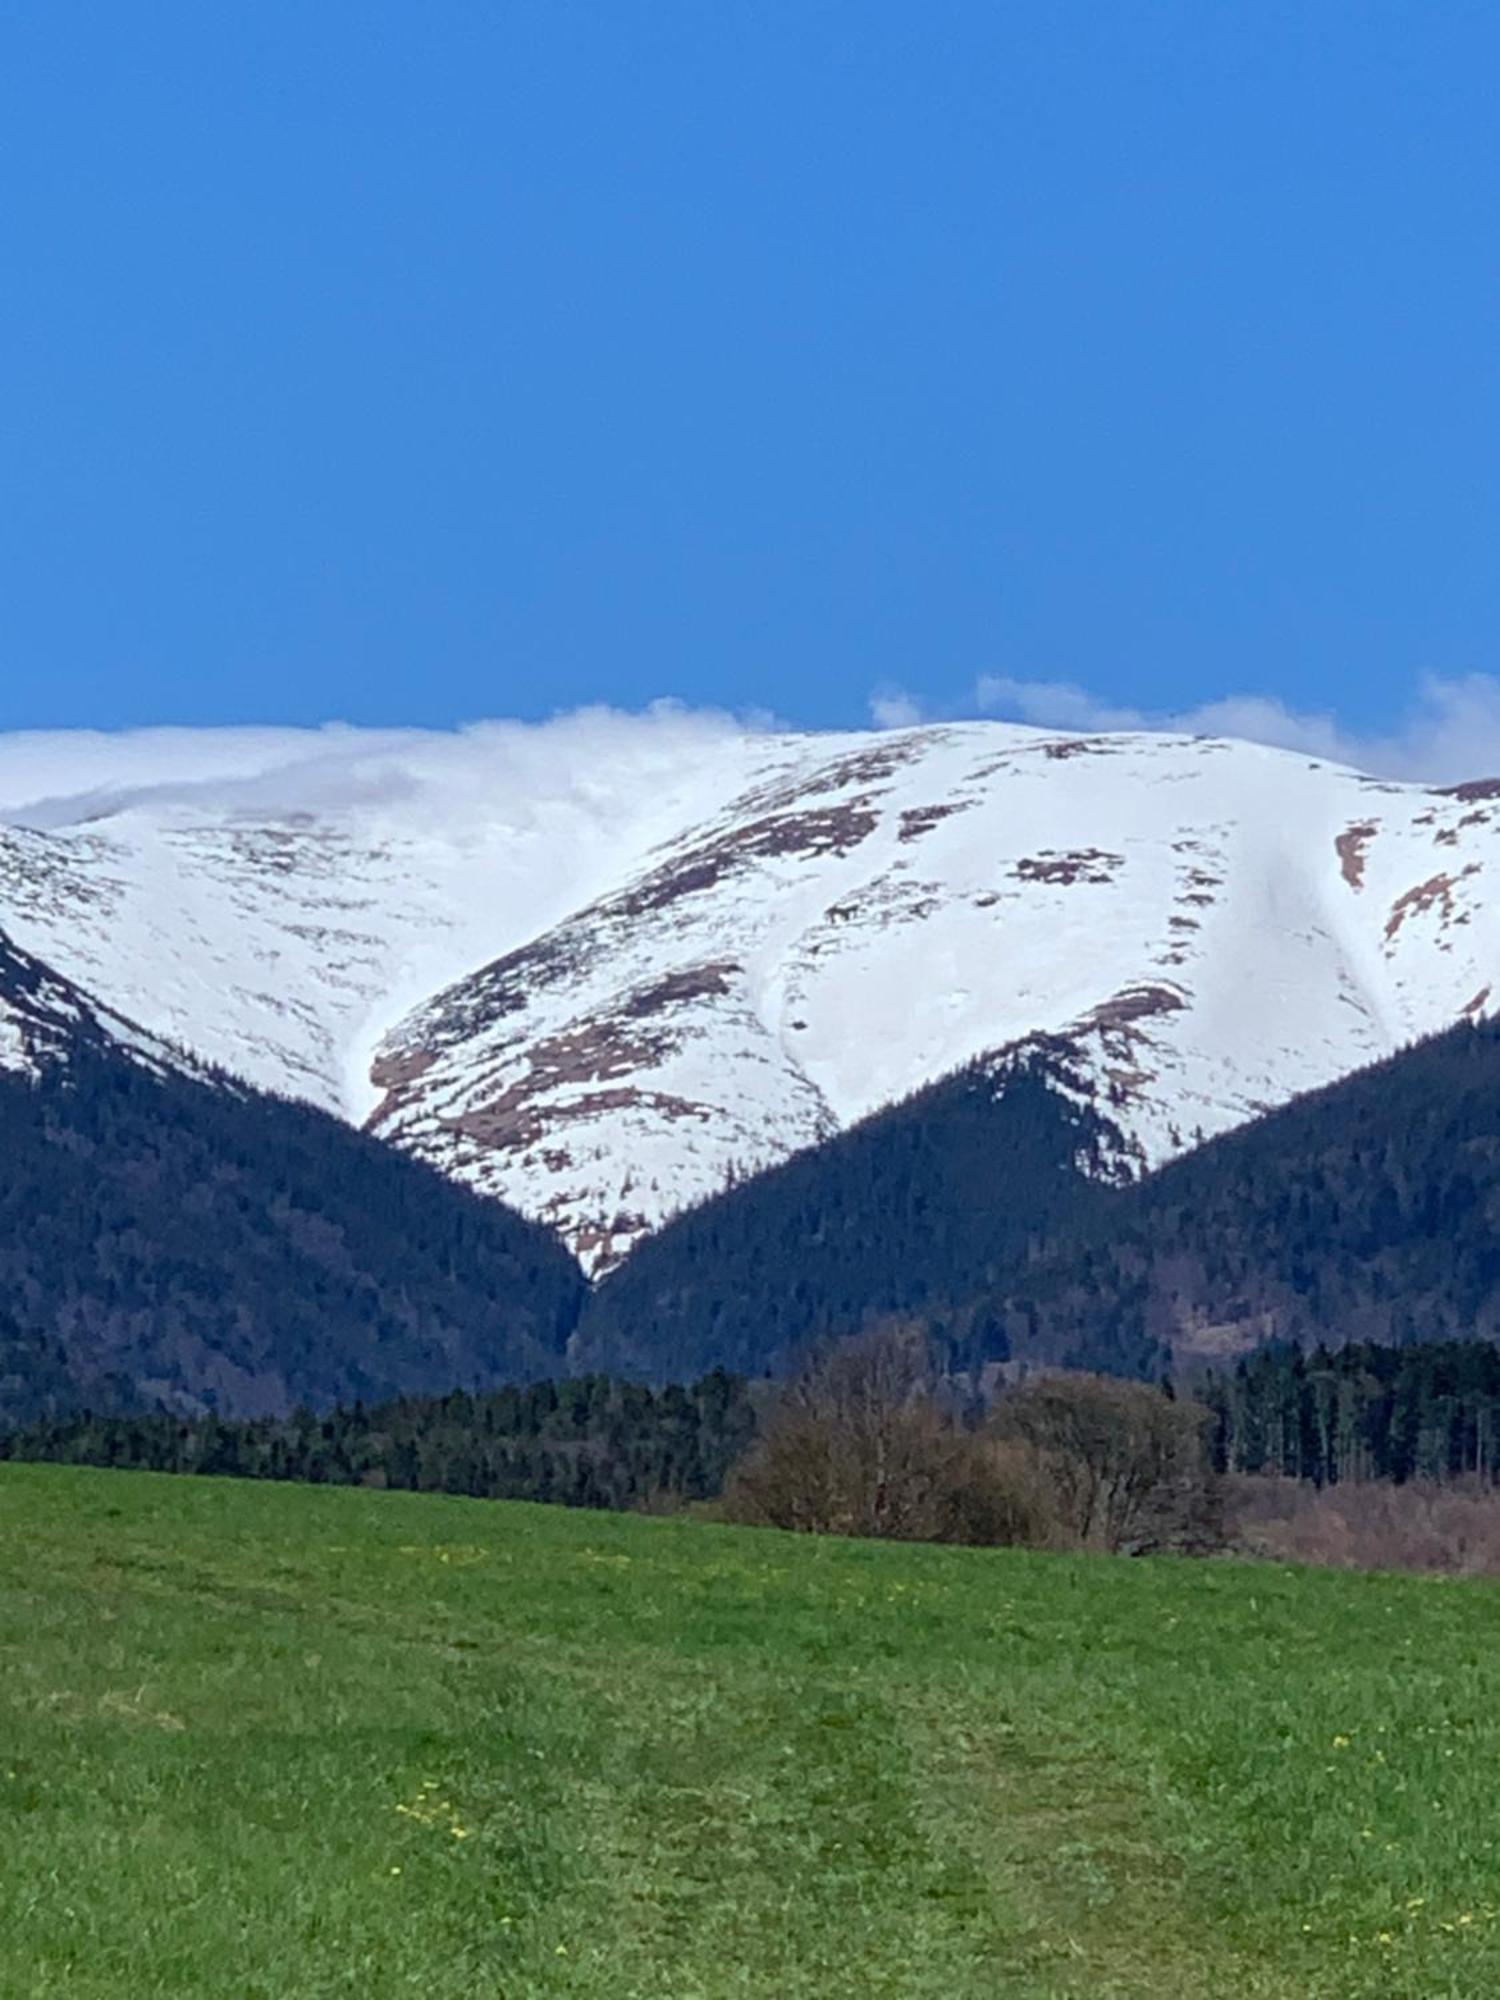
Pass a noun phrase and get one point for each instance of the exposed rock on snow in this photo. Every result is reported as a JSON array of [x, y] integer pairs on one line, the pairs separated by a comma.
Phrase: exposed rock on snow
[[600, 992]]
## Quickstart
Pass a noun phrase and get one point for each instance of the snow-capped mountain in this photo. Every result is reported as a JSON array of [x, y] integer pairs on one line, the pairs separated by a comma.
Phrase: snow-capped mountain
[[45, 1019], [602, 982]]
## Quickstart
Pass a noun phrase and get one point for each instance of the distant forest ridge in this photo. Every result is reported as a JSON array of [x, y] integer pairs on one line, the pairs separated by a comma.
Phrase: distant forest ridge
[[168, 1242], [582, 1442], [1363, 1212], [1360, 1413], [169, 1245]]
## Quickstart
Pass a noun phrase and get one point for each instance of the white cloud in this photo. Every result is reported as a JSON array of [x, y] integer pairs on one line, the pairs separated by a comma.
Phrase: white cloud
[[53, 778], [524, 771], [1052, 704], [1450, 731], [893, 708]]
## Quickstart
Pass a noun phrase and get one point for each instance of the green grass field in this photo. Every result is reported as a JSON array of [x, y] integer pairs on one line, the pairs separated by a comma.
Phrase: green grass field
[[273, 1741]]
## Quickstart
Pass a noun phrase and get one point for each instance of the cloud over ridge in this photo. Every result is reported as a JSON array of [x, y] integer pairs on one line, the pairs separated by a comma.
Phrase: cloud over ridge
[[1450, 730], [55, 778]]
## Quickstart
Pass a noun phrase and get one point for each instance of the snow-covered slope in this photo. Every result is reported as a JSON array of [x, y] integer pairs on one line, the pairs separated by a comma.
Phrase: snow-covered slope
[[602, 982], [277, 906], [45, 1020]]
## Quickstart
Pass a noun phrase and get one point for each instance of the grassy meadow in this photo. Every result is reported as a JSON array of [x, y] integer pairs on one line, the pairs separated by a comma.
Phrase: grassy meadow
[[274, 1743]]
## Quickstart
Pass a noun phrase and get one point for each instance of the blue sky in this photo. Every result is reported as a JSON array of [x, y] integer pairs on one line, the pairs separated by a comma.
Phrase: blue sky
[[408, 365]]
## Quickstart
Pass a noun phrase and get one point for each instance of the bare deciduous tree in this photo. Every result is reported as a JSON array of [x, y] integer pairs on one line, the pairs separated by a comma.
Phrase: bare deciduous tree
[[1128, 1465], [861, 1444]]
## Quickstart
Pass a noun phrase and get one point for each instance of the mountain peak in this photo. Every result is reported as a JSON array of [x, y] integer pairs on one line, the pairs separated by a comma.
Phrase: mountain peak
[[600, 984]]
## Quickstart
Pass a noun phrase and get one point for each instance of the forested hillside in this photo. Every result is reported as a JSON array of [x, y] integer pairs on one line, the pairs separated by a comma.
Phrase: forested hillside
[[1369, 1211], [923, 1204], [170, 1240]]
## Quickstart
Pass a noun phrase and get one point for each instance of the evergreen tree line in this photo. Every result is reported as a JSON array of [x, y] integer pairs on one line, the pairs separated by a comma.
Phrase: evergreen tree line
[[1366, 1411], [866, 1440], [1362, 1412], [171, 1244], [588, 1441], [1361, 1212]]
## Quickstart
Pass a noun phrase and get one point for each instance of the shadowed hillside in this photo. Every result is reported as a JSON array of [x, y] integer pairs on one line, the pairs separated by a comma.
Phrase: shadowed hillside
[[917, 1206], [1369, 1211], [164, 1238], [1366, 1211]]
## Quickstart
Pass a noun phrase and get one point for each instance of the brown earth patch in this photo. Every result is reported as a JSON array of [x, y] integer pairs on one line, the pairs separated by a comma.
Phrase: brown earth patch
[[1123, 1040], [1434, 894], [393, 1071], [1084, 864], [1350, 848], [505, 986], [1473, 789], [1131, 1005], [695, 982], [868, 767], [917, 820], [593, 1243], [603, 1051], [1198, 889], [395, 1075], [820, 830], [515, 1119]]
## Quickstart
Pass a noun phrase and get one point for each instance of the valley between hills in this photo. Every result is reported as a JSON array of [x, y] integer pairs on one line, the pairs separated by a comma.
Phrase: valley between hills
[[388, 1070]]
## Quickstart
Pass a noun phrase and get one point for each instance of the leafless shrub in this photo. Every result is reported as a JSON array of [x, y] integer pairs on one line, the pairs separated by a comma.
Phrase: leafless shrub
[[1367, 1524], [1128, 1466], [861, 1444], [999, 1496]]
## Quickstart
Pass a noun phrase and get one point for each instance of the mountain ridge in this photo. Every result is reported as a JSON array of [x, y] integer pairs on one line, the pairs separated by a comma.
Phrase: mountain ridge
[[994, 1210], [602, 991], [171, 1237]]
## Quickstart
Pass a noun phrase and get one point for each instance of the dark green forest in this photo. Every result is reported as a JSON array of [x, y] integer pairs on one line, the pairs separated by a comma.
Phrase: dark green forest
[[911, 1212], [1362, 1412], [181, 1244], [1369, 1211], [165, 1240], [1366, 1411], [583, 1442], [1366, 1212]]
